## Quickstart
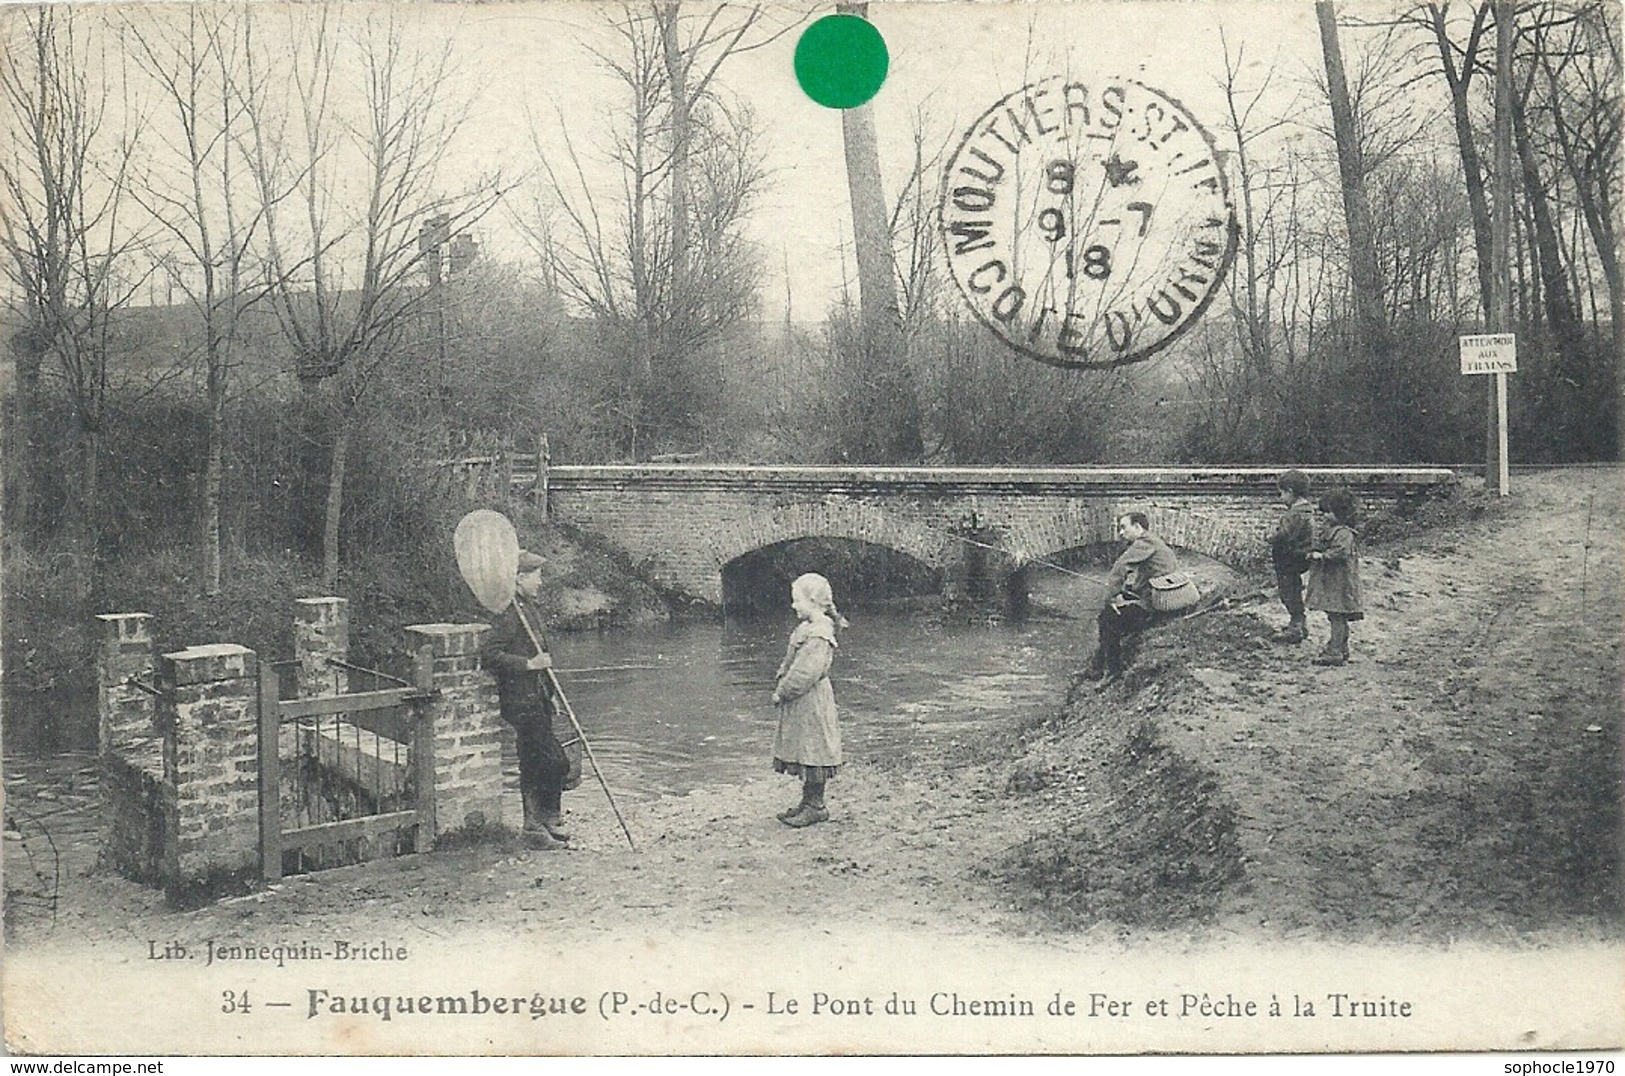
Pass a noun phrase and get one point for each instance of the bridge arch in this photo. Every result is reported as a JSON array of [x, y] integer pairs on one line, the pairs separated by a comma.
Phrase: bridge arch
[[1074, 525], [862, 573], [854, 520]]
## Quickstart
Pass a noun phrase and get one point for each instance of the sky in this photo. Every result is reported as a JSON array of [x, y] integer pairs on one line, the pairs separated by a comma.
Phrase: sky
[[951, 59], [529, 64]]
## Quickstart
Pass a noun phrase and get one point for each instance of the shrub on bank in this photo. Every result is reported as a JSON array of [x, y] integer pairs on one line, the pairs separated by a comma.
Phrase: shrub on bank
[[51, 639], [51, 630]]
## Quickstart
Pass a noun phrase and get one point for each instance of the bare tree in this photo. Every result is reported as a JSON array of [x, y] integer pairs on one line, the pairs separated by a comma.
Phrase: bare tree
[[1554, 40], [343, 271], [892, 432], [1582, 68], [1236, 388], [1459, 65], [1372, 331], [1255, 285], [975, 401], [199, 192], [663, 266], [916, 242], [1559, 300], [65, 177]]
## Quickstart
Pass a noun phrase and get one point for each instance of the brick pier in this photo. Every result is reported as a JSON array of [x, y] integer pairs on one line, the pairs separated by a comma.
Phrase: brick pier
[[180, 736]]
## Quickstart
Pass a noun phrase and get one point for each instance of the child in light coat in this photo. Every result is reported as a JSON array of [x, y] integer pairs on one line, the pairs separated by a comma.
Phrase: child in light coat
[[808, 741], [1334, 575]]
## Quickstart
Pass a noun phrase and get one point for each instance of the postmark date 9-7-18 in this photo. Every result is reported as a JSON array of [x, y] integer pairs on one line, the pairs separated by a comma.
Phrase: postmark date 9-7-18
[[1087, 224]]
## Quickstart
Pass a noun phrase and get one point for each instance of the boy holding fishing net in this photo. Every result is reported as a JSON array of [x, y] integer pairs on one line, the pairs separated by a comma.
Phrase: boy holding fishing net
[[520, 663]]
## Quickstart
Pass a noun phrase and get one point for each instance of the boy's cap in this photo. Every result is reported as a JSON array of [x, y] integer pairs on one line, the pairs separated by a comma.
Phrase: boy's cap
[[529, 562], [1294, 481]]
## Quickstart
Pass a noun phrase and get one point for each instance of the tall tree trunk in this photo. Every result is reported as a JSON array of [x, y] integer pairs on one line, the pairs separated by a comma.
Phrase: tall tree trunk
[[1559, 302], [213, 474], [84, 523], [1566, 380], [680, 297], [314, 431], [681, 136], [29, 356], [1596, 205], [1372, 335], [1460, 81], [1255, 336], [640, 371], [884, 349]]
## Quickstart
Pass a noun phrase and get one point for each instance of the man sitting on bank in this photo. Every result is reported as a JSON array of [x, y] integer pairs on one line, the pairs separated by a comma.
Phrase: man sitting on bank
[[1129, 583]]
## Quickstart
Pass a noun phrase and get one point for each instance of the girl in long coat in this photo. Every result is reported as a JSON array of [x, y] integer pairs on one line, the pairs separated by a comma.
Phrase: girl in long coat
[[1334, 575], [808, 741]]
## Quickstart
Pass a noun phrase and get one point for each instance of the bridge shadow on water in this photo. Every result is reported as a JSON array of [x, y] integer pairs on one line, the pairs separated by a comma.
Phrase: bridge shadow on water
[[861, 574]]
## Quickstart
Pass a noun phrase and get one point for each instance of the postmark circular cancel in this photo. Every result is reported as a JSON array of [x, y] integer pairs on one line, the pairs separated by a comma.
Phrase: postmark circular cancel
[[1087, 223]]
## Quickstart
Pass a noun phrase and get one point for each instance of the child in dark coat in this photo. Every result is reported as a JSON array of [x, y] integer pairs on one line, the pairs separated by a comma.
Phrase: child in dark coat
[[1290, 545], [1334, 575]]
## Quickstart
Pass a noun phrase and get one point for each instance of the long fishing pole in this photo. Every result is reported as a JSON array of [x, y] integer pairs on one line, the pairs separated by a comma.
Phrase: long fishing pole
[[569, 712], [606, 668], [1015, 555]]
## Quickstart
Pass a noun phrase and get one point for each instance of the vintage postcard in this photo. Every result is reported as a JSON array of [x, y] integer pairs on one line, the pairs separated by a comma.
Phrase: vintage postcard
[[944, 528]]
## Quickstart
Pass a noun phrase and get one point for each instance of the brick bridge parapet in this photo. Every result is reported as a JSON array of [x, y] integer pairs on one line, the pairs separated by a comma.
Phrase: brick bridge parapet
[[681, 524]]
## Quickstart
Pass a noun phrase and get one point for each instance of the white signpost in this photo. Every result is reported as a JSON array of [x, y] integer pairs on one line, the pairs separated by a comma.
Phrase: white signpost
[[1494, 353]]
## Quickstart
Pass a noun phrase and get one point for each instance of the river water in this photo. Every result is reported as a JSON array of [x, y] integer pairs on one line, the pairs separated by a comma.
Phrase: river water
[[684, 706], [674, 708]]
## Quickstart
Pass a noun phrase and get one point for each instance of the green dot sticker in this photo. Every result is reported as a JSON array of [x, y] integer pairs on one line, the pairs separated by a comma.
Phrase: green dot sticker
[[841, 61]]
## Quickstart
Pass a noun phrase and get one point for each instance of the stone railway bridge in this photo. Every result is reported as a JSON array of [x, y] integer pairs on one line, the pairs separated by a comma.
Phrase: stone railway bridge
[[683, 524]]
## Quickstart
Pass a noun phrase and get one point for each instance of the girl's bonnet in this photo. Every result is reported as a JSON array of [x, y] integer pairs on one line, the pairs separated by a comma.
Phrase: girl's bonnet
[[815, 589]]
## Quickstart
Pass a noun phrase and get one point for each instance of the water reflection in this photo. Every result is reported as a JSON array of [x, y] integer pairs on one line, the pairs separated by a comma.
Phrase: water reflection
[[675, 708], [679, 707]]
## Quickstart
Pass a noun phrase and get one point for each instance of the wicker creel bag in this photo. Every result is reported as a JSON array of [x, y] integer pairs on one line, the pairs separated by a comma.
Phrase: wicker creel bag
[[1174, 593]]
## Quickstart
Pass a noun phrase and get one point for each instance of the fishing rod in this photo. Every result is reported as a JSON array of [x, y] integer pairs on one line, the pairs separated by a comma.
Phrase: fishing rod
[[569, 711], [1016, 555], [607, 668]]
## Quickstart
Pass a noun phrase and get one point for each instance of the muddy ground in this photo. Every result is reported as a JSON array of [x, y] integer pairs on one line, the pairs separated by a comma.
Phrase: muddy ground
[[1458, 781]]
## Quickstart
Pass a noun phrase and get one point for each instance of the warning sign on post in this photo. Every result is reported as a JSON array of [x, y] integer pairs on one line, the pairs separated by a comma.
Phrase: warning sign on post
[[1494, 353]]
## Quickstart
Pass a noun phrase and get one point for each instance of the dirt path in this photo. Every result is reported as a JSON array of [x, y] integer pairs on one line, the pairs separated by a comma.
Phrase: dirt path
[[1459, 779]]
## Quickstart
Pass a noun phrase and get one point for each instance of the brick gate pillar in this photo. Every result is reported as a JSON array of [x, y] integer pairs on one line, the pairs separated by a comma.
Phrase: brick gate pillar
[[208, 712], [130, 753], [466, 729], [124, 711], [321, 636]]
